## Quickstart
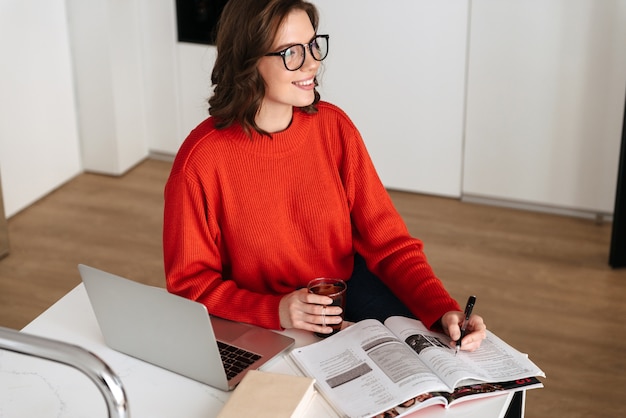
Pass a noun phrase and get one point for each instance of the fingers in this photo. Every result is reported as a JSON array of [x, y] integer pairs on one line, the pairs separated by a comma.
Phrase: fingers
[[451, 324], [321, 317], [469, 343], [310, 312], [476, 330], [315, 299], [326, 321], [476, 333]]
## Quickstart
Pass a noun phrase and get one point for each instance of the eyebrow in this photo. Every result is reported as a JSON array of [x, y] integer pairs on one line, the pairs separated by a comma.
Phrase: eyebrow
[[287, 45]]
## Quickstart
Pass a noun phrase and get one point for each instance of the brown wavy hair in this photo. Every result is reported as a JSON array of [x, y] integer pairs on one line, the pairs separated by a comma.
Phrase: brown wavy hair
[[245, 33]]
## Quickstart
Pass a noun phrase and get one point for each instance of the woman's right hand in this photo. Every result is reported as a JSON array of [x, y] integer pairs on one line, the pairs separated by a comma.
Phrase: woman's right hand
[[303, 310]]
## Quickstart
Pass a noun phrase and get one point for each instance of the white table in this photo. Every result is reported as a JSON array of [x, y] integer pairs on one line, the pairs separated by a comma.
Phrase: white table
[[31, 387]]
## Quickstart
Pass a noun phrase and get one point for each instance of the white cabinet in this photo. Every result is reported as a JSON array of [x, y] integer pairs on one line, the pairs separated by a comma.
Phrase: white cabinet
[[4, 228], [518, 101], [545, 102], [39, 146], [109, 72], [398, 69]]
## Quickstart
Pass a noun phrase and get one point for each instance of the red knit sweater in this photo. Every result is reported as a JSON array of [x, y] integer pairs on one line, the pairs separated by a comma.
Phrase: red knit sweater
[[248, 220]]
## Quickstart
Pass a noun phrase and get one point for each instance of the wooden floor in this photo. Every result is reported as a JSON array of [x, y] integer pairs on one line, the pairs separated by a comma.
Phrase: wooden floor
[[542, 281]]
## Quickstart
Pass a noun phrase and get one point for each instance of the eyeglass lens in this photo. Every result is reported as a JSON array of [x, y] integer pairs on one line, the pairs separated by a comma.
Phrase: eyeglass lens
[[295, 55]]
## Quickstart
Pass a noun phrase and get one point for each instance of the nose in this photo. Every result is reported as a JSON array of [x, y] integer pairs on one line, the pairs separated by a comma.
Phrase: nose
[[310, 63]]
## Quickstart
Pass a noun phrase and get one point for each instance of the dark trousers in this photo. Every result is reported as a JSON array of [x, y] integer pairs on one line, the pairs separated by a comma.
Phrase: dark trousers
[[368, 297]]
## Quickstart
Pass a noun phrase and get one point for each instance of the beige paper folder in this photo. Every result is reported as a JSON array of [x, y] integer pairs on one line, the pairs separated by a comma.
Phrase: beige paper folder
[[269, 395]]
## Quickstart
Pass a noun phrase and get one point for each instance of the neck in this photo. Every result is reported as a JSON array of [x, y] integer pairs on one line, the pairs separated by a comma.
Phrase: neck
[[275, 120]]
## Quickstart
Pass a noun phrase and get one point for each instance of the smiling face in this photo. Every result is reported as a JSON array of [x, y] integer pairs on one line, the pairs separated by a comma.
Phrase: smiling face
[[285, 89]]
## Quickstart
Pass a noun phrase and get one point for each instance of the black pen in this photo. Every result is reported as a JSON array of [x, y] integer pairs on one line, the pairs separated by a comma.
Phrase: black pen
[[468, 312]]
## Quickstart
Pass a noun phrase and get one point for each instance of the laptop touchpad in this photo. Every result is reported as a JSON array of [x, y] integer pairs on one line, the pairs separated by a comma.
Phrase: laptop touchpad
[[228, 331]]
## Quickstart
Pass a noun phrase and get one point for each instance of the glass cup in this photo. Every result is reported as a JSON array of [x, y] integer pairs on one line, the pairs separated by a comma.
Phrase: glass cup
[[334, 289]]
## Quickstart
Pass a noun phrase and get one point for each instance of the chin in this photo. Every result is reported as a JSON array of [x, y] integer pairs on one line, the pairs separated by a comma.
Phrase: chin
[[305, 99], [305, 103]]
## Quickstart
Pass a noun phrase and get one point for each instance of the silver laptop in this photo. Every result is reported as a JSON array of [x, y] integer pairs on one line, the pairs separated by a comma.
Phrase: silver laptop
[[176, 333]]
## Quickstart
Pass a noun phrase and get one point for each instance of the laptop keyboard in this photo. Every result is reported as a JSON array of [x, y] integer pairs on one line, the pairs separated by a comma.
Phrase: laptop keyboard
[[235, 359]]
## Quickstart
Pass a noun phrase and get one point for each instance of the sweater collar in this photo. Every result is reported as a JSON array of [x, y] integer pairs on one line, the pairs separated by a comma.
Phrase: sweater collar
[[282, 142]]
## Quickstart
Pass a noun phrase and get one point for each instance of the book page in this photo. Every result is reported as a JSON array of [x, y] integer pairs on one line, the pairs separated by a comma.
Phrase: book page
[[364, 370], [494, 361]]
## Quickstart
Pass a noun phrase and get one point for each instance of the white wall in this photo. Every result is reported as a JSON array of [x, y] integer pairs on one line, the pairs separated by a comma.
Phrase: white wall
[[39, 147], [546, 90]]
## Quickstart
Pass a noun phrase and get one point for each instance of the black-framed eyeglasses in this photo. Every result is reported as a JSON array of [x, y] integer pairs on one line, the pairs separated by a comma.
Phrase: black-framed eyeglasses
[[294, 55]]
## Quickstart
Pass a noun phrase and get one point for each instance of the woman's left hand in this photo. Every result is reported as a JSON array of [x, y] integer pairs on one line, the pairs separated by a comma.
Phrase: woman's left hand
[[476, 330]]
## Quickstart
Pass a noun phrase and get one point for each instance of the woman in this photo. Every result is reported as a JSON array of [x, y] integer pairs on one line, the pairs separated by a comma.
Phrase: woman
[[276, 188]]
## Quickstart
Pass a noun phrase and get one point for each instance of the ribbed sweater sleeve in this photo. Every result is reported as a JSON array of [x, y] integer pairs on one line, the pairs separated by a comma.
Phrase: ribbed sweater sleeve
[[248, 220]]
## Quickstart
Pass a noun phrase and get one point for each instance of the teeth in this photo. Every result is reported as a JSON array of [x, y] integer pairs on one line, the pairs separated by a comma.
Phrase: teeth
[[304, 83]]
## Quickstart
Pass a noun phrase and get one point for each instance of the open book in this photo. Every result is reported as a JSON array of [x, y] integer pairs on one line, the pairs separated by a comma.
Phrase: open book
[[370, 368]]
